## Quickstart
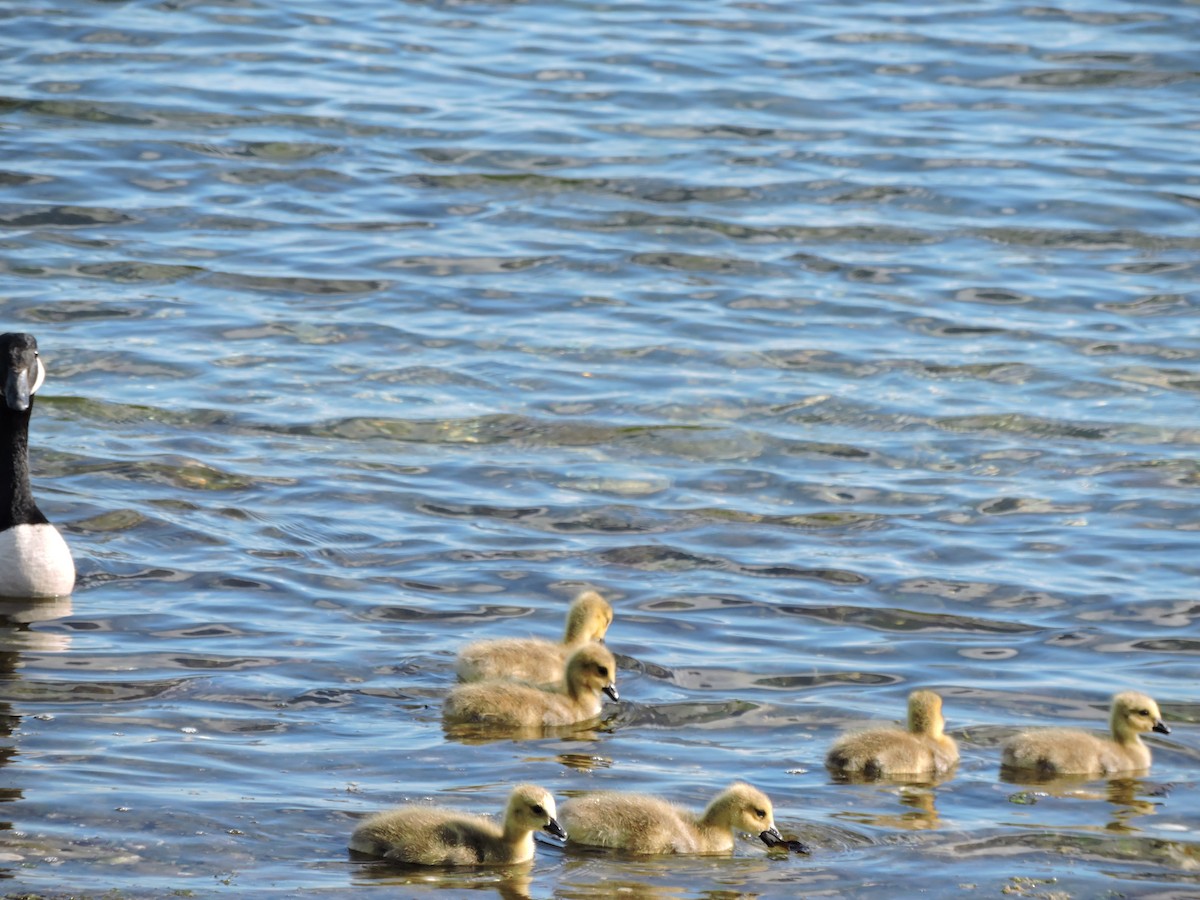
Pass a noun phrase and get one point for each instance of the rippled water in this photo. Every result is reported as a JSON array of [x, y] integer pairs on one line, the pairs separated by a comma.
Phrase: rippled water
[[847, 347]]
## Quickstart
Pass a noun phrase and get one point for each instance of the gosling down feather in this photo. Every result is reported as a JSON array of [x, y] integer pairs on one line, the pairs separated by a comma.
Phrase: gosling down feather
[[535, 659], [1069, 751], [434, 836], [923, 749], [640, 823], [34, 558], [591, 670]]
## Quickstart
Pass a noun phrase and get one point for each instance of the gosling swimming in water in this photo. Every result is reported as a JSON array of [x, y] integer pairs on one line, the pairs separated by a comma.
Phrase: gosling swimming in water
[[591, 670], [535, 659], [640, 823], [1069, 751], [434, 836], [882, 752], [34, 559]]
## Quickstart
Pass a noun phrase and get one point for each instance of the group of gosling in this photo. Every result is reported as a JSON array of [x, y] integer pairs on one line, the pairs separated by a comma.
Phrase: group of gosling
[[518, 685]]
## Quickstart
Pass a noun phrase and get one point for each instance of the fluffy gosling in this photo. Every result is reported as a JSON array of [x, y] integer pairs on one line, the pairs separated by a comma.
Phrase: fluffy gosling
[[879, 753], [535, 659], [640, 823], [434, 836], [512, 704], [1069, 751]]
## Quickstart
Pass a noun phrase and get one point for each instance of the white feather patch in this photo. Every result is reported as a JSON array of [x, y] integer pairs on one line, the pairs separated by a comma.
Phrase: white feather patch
[[35, 562]]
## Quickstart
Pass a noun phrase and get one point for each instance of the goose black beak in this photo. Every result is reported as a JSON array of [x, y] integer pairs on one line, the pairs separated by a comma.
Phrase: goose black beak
[[1161, 727], [552, 827], [611, 690]]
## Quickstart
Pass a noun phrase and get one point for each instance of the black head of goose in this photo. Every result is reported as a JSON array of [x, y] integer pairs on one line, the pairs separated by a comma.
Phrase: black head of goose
[[34, 559]]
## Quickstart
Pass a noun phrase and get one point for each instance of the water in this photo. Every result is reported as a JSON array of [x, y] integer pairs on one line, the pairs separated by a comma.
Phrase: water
[[847, 348]]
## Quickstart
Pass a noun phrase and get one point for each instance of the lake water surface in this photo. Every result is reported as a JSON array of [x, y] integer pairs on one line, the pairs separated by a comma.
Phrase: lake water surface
[[847, 348]]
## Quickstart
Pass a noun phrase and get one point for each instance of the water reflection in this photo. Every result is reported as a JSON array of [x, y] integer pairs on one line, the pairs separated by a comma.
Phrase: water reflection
[[581, 762], [509, 882], [591, 875], [475, 733], [921, 812], [1126, 794], [17, 638]]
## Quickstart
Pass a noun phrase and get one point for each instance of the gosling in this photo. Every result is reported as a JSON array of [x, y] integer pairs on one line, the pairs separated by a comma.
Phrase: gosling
[[514, 705], [434, 836], [535, 659], [923, 749], [1069, 751], [640, 823]]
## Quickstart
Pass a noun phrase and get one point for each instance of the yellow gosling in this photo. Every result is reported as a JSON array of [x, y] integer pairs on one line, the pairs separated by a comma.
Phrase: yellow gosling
[[535, 659], [639, 823], [591, 670], [879, 753], [434, 836], [1069, 751]]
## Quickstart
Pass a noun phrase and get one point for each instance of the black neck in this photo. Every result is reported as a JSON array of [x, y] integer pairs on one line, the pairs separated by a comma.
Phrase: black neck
[[16, 493]]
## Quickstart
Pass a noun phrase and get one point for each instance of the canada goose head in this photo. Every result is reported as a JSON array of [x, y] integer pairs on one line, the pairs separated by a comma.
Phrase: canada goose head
[[587, 619], [1133, 713], [23, 371], [531, 808], [745, 808], [925, 714], [592, 669]]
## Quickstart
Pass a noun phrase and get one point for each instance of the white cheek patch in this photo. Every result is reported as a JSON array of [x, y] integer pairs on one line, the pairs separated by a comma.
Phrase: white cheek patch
[[41, 375]]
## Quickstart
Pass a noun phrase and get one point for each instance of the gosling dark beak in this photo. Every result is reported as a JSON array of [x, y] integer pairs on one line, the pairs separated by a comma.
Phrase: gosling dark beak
[[772, 838], [611, 690], [16, 390], [1161, 727], [555, 829]]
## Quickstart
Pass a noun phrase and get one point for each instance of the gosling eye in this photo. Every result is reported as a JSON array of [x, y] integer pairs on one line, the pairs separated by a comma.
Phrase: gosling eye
[[537, 809], [760, 813], [602, 671], [1143, 712]]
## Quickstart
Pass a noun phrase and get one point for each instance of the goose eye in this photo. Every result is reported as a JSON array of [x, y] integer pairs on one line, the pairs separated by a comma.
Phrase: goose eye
[[761, 813], [537, 809], [1143, 712], [603, 671]]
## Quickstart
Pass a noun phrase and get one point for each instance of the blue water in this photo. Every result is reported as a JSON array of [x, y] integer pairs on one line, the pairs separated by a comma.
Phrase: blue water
[[847, 348]]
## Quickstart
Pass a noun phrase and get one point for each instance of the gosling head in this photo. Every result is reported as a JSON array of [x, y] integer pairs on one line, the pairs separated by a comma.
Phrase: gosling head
[[746, 808], [23, 372], [1133, 713], [531, 808], [592, 669], [588, 619], [925, 713]]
